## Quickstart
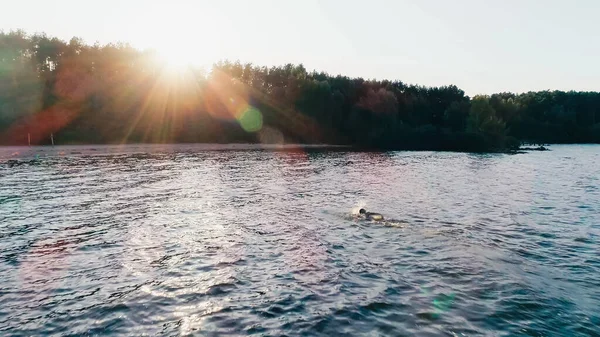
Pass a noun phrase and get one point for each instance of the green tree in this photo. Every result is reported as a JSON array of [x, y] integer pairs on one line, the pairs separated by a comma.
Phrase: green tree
[[115, 93], [483, 120]]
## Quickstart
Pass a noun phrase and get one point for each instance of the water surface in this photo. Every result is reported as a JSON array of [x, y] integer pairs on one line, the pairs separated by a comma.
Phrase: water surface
[[221, 240]]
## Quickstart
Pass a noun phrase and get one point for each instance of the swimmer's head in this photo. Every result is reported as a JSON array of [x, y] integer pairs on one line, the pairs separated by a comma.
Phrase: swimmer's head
[[362, 211]]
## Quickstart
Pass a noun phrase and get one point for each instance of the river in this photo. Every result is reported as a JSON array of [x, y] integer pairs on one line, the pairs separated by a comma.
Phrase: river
[[216, 240]]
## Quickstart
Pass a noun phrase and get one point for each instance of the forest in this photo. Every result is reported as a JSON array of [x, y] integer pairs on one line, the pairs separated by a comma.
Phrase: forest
[[107, 94]]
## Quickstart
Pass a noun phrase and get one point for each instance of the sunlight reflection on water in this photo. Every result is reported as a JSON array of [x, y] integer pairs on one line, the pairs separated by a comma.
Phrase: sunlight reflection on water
[[212, 240]]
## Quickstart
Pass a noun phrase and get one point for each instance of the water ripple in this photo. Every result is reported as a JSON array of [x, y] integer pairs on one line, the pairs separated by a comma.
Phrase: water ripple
[[236, 240]]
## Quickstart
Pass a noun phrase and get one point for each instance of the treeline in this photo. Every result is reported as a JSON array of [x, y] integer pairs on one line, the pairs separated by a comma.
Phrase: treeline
[[117, 94]]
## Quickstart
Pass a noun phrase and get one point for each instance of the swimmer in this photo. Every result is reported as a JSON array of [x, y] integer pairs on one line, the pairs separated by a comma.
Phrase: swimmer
[[371, 216]]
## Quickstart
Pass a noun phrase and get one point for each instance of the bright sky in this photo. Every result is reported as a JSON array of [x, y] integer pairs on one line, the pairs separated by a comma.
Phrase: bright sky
[[482, 46]]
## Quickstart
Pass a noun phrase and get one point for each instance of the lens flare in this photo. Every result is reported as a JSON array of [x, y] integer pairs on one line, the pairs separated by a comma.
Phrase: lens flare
[[251, 120], [441, 303], [269, 135]]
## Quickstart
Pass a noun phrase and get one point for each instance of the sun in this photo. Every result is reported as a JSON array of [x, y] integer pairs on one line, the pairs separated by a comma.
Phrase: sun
[[178, 56], [181, 41], [175, 58]]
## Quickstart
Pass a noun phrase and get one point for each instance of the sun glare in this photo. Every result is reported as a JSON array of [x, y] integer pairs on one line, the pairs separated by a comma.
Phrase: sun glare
[[182, 41], [174, 59]]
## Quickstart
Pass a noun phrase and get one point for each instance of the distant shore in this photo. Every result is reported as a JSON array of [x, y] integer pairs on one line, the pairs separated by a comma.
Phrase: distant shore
[[71, 92]]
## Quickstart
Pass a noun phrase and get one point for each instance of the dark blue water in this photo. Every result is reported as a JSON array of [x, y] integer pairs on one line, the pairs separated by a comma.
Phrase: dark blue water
[[184, 240]]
